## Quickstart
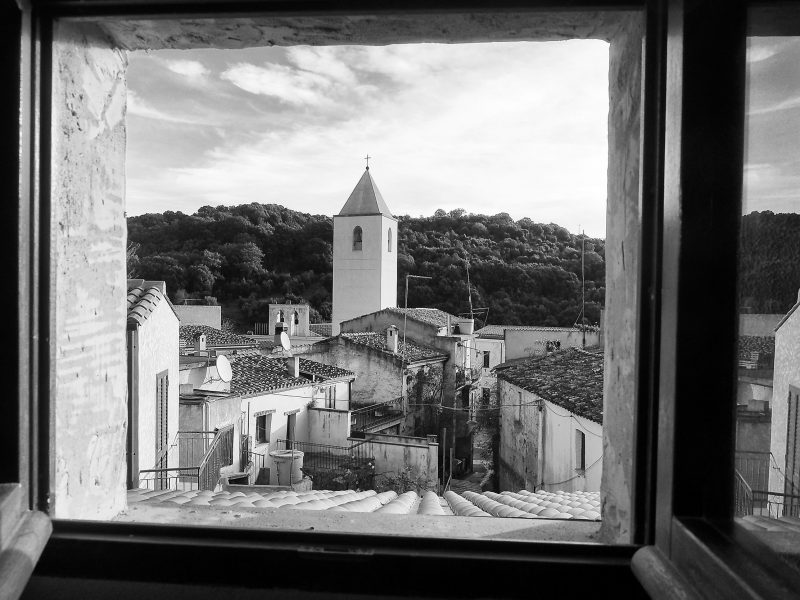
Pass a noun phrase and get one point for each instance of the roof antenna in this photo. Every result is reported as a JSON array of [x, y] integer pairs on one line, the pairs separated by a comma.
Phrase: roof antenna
[[469, 293], [405, 322]]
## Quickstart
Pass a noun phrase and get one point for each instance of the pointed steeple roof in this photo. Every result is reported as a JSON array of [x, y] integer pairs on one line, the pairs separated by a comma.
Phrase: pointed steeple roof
[[366, 199]]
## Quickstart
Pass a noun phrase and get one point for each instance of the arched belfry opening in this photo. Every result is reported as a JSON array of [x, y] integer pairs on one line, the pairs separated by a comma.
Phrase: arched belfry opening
[[389, 241], [357, 238]]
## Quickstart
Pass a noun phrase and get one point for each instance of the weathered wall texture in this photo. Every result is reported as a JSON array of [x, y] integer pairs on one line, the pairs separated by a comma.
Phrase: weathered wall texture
[[522, 343], [538, 449], [88, 237], [157, 352], [394, 454], [191, 314], [786, 374], [378, 376], [623, 247], [519, 440], [326, 426], [363, 29]]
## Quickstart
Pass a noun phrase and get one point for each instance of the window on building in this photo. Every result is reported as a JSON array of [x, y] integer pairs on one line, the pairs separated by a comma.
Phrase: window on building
[[580, 450], [389, 241], [486, 396], [486, 356], [357, 238], [263, 428], [330, 396], [792, 484]]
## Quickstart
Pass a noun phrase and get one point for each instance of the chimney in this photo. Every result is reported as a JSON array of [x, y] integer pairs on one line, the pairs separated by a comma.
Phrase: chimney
[[293, 365], [200, 342], [391, 339]]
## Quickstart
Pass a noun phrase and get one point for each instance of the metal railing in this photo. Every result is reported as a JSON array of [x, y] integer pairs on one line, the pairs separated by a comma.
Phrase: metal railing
[[178, 478], [775, 505], [336, 467], [220, 454], [742, 496], [201, 455], [371, 417]]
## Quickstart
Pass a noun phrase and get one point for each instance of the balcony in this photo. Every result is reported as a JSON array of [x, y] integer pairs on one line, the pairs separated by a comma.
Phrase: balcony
[[377, 417], [200, 456]]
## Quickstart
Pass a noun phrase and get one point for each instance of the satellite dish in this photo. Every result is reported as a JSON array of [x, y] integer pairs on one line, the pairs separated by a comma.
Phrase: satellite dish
[[224, 368], [285, 341]]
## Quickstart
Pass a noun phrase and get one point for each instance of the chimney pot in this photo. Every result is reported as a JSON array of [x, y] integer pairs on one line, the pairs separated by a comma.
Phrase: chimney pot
[[392, 339], [200, 342], [293, 365]]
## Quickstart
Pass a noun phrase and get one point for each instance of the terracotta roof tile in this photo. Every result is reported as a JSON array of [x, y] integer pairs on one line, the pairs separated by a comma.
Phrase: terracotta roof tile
[[431, 316], [256, 373], [214, 337], [142, 301], [571, 378], [409, 350], [497, 331]]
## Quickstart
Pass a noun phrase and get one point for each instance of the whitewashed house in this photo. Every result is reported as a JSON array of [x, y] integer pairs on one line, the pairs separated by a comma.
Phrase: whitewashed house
[[551, 422], [152, 355]]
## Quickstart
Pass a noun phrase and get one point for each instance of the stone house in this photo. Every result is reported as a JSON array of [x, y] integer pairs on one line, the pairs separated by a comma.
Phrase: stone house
[[784, 476], [290, 318], [452, 336], [551, 422], [152, 356], [388, 369]]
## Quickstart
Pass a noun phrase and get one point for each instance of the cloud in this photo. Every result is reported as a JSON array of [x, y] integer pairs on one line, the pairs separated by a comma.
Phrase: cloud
[[785, 104], [281, 82], [514, 127], [191, 69]]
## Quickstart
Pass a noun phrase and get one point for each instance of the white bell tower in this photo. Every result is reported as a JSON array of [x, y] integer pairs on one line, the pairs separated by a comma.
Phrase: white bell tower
[[364, 255]]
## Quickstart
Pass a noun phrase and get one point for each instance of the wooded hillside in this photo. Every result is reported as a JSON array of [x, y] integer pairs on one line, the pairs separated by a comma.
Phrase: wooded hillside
[[769, 275], [248, 256]]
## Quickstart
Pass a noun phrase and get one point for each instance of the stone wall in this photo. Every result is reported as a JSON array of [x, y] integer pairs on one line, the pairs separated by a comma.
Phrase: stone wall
[[623, 248], [199, 314], [88, 284]]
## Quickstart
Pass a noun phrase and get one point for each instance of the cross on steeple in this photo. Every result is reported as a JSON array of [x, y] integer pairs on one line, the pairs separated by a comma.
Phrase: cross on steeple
[[367, 157]]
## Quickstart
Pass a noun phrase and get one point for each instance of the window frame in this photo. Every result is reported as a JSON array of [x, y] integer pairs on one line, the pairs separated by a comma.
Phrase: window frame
[[688, 535], [358, 238]]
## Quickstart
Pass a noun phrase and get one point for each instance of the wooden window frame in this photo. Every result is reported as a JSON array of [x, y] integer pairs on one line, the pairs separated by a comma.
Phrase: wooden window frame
[[691, 169]]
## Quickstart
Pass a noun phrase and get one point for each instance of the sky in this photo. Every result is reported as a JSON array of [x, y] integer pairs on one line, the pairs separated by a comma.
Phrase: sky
[[501, 127], [772, 159]]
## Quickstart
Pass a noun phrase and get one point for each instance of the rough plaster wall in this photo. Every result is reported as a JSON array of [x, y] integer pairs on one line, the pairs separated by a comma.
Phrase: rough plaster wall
[[328, 426], [369, 29], [519, 439], [787, 373], [421, 461], [88, 265], [623, 233], [200, 315], [377, 375]]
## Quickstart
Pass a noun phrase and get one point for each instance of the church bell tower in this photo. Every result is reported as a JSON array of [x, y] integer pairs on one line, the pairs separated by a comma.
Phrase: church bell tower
[[364, 254]]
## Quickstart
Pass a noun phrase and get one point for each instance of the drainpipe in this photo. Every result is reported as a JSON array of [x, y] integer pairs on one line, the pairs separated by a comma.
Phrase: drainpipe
[[132, 435]]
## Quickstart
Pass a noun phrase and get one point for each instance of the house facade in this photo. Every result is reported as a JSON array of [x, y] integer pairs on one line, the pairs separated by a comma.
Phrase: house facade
[[784, 476], [388, 369], [279, 398], [452, 336], [152, 355], [551, 422]]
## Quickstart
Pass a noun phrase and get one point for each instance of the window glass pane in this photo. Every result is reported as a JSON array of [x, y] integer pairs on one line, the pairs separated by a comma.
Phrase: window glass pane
[[457, 371], [767, 461]]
